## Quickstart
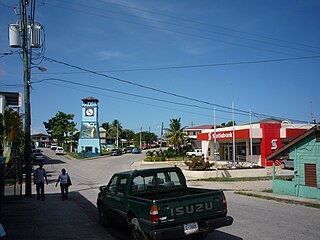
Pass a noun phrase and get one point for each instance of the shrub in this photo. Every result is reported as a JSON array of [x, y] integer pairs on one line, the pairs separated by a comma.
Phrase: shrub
[[198, 164], [155, 159]]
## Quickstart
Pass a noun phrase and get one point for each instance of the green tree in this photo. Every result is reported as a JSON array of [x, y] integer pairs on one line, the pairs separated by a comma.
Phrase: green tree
[[61, 127], [116, 128], [175, 133], [229, 124], [127, 134], [11, 134], [146, 138], [106, 126]]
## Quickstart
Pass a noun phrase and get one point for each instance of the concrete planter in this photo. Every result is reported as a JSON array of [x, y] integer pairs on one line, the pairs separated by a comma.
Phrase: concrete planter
[[225, 173]]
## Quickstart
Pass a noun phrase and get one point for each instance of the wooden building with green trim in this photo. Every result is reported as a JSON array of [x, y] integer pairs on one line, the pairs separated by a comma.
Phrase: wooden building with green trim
[[305, 151]]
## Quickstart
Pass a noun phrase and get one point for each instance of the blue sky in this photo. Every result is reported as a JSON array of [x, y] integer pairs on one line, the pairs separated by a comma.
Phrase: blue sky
[[195, 55]]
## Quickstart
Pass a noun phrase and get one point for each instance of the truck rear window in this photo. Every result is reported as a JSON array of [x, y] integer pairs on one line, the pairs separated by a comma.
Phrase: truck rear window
[[160, 180]]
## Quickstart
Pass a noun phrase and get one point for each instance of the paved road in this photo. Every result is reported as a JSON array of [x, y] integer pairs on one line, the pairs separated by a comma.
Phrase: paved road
[[253, 218]]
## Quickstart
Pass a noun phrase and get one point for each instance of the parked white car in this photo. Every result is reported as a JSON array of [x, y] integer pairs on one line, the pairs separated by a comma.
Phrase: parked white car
[[59, 151], [195, 153], [53, 146]]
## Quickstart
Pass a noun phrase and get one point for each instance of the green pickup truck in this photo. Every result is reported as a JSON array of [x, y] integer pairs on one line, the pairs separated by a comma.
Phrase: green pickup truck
[[157, 204]]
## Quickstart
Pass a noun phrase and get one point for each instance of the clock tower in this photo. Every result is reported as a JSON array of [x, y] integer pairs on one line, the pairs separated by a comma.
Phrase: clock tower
[[89, 141]]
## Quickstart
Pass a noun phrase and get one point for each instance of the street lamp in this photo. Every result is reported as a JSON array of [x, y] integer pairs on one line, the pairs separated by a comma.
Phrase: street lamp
[[40, 68]]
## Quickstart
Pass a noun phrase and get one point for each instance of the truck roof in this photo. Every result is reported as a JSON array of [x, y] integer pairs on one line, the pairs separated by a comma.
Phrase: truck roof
[[149, 170]]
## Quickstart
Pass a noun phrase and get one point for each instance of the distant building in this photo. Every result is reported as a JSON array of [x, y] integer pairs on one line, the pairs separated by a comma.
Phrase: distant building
[[305, 152], [41, 140], [10, 99], [192, 132], [266, 137]]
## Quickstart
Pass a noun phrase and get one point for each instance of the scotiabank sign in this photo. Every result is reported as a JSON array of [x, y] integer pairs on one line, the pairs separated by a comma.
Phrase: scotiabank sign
[[224, 135]]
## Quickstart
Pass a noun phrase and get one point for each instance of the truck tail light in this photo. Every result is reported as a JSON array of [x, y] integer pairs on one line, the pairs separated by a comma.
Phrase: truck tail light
[[154, 212], [224, 201]]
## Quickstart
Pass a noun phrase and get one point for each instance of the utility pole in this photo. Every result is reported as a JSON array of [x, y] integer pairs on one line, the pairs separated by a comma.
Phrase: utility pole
[[26, 78], [140, 137], [30, 33], [161, 134]]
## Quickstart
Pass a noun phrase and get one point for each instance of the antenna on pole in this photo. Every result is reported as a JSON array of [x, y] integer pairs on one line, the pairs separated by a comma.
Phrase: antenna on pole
[[311, 113]]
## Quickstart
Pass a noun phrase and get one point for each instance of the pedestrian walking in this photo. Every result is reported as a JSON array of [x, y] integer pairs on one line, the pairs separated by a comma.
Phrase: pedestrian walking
[[40, 176], [65, 183]]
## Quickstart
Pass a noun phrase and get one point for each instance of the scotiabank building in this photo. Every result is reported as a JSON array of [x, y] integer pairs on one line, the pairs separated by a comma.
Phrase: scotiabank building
[[262, 138]]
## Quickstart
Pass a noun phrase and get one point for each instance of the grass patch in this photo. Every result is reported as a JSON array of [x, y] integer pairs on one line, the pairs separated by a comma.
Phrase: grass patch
[[306, 204]]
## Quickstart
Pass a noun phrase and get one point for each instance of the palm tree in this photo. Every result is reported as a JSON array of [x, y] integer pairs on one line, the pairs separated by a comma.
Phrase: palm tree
[[175, 133], [107, 126], [116, 129]]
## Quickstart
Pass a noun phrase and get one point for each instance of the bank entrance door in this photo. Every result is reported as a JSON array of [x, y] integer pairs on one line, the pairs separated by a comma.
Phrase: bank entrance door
[[228, 151]]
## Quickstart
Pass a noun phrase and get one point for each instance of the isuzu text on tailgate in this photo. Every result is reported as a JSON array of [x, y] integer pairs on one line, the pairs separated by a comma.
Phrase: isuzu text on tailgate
[[157, 204]]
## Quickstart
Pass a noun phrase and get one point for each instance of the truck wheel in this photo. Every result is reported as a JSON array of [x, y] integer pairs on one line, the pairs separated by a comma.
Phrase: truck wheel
[[193, 155], [103, 218], [199, 236], [135, 231]]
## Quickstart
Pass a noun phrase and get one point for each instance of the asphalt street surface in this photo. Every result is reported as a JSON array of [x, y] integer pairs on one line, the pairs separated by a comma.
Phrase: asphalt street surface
[[76, 218]]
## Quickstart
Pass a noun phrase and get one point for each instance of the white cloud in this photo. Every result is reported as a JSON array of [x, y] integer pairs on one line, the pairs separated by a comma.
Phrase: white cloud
[[108, 55]]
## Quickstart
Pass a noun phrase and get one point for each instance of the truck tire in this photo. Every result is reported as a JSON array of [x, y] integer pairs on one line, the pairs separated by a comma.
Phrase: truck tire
[[103, 219], [135, 231], [199, 236]]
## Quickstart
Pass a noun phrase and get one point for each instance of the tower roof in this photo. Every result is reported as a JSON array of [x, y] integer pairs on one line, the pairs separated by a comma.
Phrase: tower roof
[[90, 99]]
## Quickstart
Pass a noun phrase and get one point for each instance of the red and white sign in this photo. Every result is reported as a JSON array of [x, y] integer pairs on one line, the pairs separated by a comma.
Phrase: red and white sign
[[224, 135]]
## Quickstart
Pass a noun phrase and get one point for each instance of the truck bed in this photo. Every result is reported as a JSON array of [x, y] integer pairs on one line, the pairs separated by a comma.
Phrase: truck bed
[[157, 195]]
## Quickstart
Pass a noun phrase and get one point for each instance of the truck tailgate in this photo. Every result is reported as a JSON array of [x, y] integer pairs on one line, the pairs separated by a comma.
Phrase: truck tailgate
[[184, 209]]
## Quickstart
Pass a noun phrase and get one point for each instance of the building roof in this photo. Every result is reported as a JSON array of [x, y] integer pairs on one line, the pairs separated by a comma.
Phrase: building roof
[[40, 135], [208, 126], [312, 130]]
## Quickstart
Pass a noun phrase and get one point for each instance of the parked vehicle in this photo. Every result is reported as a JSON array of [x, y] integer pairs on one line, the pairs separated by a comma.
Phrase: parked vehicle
[[287, 164], [128, 149], [195, 153], [37, 156], [145, 146], [59, 151], [115, 152], [157, 204], [136, 151], [53, 146]]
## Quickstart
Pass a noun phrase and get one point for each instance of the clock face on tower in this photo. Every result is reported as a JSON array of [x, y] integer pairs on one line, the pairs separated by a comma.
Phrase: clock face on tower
[[89, 111]]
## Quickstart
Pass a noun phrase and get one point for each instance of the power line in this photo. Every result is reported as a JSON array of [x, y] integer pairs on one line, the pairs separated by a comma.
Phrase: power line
[[212, 25], [142, 86], [178, 32], [126, 93], [194, 66], [143, 103], [161, 91]]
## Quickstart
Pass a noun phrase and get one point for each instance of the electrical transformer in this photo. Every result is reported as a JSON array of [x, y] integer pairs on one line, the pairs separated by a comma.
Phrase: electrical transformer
[[14, 36]]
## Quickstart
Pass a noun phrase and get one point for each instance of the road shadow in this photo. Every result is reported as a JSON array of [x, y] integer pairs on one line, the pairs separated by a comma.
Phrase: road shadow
[[75, 218], [222, 236]]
